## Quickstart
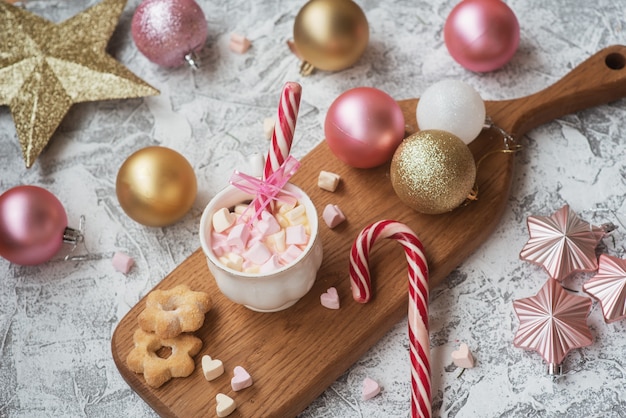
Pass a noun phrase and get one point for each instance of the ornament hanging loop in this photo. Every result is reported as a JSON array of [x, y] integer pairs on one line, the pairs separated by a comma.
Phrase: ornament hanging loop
[[509, 141], [510, 147], [306, 69], [192, 60], [74, 237]]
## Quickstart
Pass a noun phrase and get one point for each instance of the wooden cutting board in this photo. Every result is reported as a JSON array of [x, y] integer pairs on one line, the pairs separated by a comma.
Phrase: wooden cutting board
[[294, 355]]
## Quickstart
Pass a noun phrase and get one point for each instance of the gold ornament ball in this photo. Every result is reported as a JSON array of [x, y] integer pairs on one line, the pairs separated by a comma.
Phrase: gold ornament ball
[[331, 34], [433, 171], [156, 186]]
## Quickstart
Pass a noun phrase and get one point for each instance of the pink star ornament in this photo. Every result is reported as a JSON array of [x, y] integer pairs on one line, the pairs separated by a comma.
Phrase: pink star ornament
[[562, 243], [552, 323], [608, 286]]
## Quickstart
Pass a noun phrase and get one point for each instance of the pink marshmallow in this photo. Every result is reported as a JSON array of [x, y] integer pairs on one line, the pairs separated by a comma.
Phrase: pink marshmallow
[[219, 244], [122, 262], [296, 235], [333, 216], [258, 254], [238, 236], [271, 265], [239, 43], [290, 254], [268, 224]]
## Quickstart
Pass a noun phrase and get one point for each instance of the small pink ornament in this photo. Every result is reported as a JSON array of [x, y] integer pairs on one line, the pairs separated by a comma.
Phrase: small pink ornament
[[169, 32], [363, 127], [482, 35], [33, 225], [552, 323]]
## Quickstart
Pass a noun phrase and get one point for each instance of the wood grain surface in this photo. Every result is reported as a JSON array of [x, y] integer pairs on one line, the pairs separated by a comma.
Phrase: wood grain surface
[[294, 355]]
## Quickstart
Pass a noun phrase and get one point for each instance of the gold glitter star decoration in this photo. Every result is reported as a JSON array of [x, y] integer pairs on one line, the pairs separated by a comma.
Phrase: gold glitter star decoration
[[46, 67]]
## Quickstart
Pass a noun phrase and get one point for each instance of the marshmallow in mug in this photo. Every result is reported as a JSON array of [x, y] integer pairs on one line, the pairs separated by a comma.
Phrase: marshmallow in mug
[[268, 244]]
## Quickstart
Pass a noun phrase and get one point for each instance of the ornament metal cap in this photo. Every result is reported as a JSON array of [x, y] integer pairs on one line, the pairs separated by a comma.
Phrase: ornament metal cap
[[555, 370]]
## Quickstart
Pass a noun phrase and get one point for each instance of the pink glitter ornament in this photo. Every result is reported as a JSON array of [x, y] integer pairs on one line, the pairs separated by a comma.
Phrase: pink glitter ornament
[[33, 225], [481, 35], [169, 32]]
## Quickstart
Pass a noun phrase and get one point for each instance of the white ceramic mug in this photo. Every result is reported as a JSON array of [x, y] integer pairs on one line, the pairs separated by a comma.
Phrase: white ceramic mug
[[269, 292]]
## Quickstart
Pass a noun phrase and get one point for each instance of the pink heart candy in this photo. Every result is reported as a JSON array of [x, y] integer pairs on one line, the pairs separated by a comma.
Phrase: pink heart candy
[[370, 389], [241, 379], [463, 357], [330, 299]]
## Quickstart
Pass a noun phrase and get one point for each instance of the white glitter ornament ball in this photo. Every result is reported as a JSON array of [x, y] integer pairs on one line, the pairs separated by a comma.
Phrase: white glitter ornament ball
[[453, 106]]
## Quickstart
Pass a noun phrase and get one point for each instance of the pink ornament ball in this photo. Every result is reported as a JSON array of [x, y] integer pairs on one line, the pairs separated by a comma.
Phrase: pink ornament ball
[[482, 35], [168, 31], [32, 223], [363, 127]]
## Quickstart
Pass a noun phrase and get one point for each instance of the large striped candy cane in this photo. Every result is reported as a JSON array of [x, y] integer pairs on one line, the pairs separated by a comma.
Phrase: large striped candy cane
[[282, 138], [284, 128], [419, 340]]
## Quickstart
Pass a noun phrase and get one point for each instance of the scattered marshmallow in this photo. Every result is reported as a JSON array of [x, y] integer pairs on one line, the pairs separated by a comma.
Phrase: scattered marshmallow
[[256, 163], [333, 216], [225, 405], [223, 219], [122, 262], [212, 368], [241, 379], [463, 357], [371, 388], [328, 181], [330, 299], [239, 43], [268, 127]]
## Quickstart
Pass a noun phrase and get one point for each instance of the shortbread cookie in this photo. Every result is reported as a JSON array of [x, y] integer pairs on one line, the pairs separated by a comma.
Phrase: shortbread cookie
[[144, 357], [171, 312]]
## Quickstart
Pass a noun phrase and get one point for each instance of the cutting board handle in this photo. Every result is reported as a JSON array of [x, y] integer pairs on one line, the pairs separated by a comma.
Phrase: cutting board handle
[[598, 80]]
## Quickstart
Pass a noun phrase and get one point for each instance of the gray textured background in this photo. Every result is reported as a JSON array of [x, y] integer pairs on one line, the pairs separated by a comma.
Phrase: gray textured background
[[56, 319]]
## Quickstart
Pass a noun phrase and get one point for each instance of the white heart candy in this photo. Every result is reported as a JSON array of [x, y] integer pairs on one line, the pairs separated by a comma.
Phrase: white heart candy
[[212, 368], [225, 405]]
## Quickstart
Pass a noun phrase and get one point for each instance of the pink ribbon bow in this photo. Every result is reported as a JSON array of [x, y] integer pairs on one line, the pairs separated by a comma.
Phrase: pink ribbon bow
[[266, 190]]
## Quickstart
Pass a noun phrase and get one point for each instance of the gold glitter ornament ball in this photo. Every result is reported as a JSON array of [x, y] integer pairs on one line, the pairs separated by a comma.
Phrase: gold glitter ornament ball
[[331, 34], [433, 171], [156, 186]]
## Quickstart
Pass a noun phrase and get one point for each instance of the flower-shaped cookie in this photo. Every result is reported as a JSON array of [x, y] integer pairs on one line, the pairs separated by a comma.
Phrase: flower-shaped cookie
[[157, 370], [171, 312]]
